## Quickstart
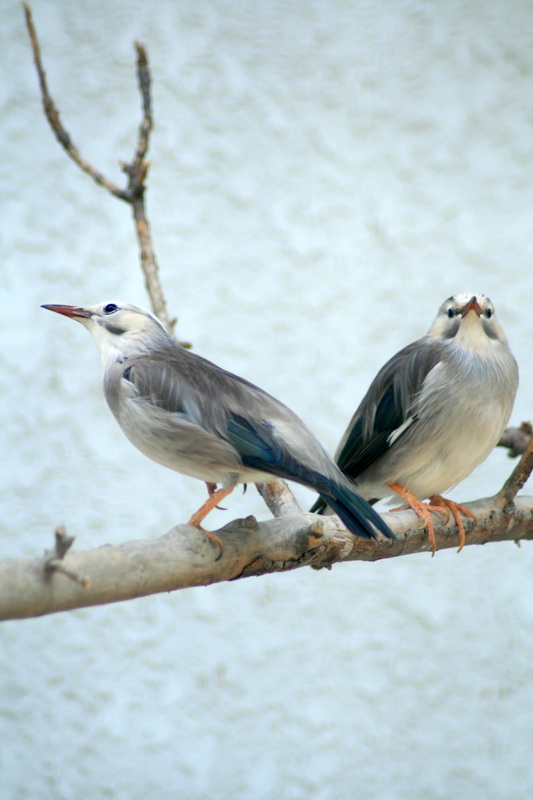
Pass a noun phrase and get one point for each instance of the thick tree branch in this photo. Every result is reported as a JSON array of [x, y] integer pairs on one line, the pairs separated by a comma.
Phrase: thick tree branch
[[184, 557]]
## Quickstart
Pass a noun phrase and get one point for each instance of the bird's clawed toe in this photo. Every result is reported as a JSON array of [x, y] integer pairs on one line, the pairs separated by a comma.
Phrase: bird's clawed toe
[[456, 509]]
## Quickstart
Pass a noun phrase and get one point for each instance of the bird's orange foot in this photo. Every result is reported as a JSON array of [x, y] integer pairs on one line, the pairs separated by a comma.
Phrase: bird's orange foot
[[457, 509], [212, 501], [422, 509]]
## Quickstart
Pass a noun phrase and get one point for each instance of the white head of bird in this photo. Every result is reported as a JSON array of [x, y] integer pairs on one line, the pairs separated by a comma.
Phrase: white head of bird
[[469, 319], [118, 328]]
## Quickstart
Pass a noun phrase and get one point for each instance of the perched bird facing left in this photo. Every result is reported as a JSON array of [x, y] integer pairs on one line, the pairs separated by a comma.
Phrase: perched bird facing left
[[190, 415], [433, 412]]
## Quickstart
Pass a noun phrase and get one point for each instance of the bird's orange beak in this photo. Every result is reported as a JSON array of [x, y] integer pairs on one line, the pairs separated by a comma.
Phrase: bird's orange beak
[[70, 311], [472, 305]]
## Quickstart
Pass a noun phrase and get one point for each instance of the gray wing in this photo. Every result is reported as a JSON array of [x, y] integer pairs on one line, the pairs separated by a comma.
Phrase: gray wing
[[187, 384], [266, 435], [389, 408]]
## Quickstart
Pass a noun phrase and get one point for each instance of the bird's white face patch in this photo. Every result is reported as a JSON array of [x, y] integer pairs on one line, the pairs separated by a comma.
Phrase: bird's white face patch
[[471, 334], [108, 344], [468, 320], [120, 328]]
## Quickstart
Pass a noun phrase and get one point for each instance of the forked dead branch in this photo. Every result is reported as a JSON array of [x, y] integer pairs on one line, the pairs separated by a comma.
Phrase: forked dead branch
[[136, 169]]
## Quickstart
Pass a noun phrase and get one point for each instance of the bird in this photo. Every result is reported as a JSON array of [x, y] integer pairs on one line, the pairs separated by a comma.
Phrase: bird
[[433, 413], [194, 417]]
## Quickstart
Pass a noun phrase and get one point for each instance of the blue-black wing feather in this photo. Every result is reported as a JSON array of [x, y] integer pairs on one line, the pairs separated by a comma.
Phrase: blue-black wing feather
[[388, 404], [260, 449], [230, 407]]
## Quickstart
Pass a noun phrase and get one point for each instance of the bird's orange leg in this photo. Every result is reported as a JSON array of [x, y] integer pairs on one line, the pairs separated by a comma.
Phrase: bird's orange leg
[[457, 509], [214, 498], [422, 509], [211, 489]]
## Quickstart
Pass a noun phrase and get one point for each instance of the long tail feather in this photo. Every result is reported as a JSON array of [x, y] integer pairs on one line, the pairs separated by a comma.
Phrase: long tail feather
[[358, 515]]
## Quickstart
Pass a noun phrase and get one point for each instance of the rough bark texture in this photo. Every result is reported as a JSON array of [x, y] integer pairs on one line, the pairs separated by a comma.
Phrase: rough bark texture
[[184, 557]]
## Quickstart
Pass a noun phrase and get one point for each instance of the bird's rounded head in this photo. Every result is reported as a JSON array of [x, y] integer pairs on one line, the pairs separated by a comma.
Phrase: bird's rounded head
[[118, 327], [468, 318]]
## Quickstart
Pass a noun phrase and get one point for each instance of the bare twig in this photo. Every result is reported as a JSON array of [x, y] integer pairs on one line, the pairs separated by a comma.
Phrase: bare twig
[[516, 439], [517, 478], [143, 76], [54, 561], [148, 262], [52, 115], [136, 170]]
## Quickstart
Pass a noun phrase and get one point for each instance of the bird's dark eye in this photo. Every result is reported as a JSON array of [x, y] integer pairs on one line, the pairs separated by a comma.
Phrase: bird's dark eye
[[452, 312], [110, 308], [488, 313]]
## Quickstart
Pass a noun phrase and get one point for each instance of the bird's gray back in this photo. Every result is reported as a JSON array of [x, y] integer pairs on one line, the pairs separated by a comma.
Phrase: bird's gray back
[[192, 401]]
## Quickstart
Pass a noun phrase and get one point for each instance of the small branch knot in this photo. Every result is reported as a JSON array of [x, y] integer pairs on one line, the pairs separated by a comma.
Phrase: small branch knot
[[54, 560]]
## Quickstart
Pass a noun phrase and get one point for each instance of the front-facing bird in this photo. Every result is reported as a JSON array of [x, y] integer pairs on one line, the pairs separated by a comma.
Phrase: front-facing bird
[[194, 417], [434, 411]]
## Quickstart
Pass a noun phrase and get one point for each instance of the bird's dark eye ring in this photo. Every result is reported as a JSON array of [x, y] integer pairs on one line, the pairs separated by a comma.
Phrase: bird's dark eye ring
[[488, 313], [452, 312], [110, 308]]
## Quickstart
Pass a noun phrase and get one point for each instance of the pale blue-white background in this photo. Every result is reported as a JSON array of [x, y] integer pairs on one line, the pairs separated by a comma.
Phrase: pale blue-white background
[[324, 174]]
